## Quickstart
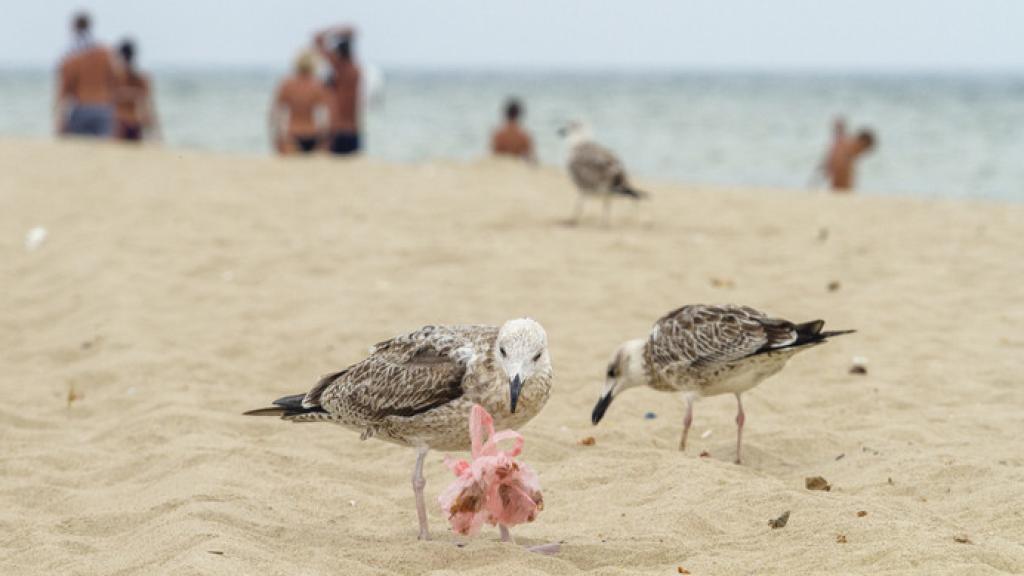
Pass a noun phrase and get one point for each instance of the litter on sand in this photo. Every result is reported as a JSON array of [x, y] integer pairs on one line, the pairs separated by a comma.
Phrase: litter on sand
[[34, 238]]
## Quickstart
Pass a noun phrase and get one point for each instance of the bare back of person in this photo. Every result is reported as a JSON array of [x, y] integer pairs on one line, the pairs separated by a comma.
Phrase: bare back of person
[[89, 77], [132, 94], [840, 165], [345, 92], [511, 140], [301, 96]]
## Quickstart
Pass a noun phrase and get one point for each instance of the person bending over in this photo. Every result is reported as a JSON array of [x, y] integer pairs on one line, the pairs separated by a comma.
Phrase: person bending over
[[842, 158]]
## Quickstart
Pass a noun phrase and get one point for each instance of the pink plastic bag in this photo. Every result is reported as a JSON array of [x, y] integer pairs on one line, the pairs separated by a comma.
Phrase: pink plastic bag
[[493, 487]]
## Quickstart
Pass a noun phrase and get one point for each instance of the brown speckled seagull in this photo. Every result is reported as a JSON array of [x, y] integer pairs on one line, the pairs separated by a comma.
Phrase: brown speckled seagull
[[595, 170], [417, 389], [705, 351]]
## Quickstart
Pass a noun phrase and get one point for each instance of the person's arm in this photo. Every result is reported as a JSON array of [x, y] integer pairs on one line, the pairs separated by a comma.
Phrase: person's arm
[[276, 120], [60, 98], [325, 51], [322, 118], [494, 142], [149, 117]]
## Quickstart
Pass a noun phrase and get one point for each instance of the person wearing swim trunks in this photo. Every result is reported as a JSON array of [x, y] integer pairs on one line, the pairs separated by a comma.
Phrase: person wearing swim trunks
[[134, 109], [298, 115], [344, 88], [87, 80]]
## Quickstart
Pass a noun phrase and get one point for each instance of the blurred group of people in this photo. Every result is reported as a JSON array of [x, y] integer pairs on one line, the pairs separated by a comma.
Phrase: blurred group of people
[[310, 115], [100, 92]]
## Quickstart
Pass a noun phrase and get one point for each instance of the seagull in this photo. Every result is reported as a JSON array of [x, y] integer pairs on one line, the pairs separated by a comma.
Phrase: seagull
[[417, 390], [595, 170], [708, 350]]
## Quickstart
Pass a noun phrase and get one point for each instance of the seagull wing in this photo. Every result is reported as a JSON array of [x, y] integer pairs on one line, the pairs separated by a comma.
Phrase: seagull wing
[[404, 376], [593, 166], [697, 336]]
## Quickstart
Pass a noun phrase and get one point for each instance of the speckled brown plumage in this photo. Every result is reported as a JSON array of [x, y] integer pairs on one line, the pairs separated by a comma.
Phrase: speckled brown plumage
[[595, 170], [418, 389], [697, 346], [706, 350]]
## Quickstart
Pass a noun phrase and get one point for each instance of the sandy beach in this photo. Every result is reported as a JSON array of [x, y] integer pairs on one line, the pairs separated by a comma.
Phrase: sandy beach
[[175, 290]]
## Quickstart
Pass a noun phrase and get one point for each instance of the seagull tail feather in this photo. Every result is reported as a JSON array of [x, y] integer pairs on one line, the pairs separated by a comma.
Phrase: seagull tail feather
[[629, 191], [287, 407], [811, 332]]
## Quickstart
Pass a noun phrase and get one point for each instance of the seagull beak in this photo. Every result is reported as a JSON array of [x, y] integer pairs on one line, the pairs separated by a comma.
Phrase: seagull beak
[[601, 407], [516, 385]]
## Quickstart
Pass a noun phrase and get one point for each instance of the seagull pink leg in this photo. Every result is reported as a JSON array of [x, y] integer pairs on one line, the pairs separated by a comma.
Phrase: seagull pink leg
[[687, 420], [418, 483], [740, 418]]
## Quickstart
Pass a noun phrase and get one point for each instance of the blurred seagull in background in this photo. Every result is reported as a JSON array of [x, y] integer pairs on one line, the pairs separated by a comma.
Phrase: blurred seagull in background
[[595, 170]]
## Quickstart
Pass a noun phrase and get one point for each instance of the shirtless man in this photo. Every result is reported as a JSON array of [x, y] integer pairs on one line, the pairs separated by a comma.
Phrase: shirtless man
[[88, 78], [511, 139], [304, 101], [344, 138], [134, 109], [839, 164]]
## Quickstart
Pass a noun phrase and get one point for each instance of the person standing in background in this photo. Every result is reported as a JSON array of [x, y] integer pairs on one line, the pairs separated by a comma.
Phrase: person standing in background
[[134, 109], [305, 102], [842, 158], [344, 88], [511, 139], [88, 78]]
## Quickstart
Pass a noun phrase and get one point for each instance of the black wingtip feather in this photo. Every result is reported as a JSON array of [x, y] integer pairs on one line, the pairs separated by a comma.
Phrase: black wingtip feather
[[284, 407], [832, 333], [292, 402], [632, 192], [265, 412], [810, 332]]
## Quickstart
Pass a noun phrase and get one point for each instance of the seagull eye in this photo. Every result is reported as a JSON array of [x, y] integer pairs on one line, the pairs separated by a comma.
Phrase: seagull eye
[[537, 357], [502, 350], [611, 371]]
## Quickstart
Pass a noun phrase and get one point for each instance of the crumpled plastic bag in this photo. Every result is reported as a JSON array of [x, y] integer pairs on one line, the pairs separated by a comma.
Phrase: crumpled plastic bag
[[491, 487]]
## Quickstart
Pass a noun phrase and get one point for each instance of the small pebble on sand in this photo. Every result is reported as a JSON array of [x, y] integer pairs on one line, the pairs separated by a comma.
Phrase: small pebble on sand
[[779, 522], [817, 483]]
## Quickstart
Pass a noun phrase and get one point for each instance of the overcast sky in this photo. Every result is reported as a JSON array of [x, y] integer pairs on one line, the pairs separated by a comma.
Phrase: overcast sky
[[886, 35]]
